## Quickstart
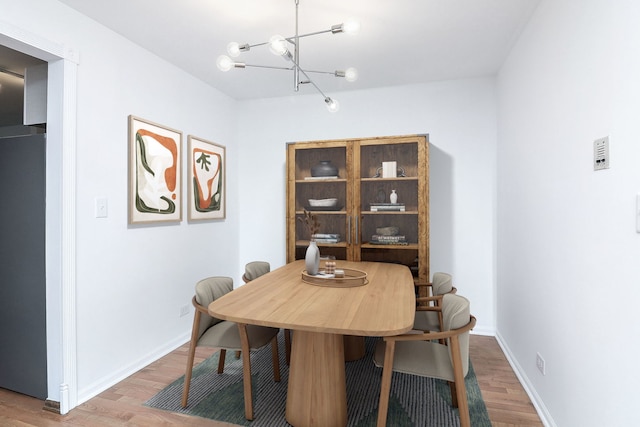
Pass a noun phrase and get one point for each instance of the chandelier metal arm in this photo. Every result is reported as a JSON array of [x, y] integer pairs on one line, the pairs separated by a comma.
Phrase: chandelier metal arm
[[291, 39], [264, 66]]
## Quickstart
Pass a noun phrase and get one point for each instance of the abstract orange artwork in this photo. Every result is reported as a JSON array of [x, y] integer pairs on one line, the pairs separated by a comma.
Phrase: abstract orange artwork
[[154, 172]]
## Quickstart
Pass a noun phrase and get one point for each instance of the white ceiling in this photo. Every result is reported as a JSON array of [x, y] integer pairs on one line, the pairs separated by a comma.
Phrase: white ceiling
[[400, 42]]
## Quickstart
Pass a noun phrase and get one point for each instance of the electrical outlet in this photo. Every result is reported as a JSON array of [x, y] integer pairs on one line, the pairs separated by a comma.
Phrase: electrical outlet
[[540, 364], [184, 310]]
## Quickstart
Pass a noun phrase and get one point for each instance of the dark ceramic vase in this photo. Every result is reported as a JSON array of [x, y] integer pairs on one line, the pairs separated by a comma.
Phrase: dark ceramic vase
[[324, 168]]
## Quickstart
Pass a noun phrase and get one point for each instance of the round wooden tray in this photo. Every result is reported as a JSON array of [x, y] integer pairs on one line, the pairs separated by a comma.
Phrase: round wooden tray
[[352, 278]]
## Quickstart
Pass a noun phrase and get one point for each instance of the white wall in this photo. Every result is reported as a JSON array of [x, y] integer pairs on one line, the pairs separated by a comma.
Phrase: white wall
[[459, 117], [568, 251], [132, 280]]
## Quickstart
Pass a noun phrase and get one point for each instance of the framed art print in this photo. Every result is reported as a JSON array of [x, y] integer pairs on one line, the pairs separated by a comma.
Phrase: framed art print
[[155, 192], [207, 180]]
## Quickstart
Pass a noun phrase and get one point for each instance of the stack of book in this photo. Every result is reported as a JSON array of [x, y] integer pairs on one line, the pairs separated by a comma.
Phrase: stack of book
[[393, 207], [326, 238], [378, 239]]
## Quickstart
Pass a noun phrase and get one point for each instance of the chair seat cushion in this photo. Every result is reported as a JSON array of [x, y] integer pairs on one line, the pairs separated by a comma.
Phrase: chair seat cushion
[[422, 358], [225, 334], [426, 321]]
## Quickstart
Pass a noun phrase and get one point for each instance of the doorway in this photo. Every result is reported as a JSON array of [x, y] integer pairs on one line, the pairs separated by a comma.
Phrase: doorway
[[60, 245]]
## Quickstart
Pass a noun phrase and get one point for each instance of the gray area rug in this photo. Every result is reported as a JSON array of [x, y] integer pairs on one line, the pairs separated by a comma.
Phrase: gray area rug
[[414, 401]]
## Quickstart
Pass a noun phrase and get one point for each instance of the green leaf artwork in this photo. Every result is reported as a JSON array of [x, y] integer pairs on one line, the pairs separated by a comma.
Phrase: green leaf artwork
[[204, 161]]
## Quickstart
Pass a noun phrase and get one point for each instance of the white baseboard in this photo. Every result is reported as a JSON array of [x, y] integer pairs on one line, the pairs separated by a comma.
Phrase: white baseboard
[[483, 331], [103, 384], [543, 412]]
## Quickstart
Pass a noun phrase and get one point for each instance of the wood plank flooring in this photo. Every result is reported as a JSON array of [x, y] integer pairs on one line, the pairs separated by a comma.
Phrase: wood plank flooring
[[122, 404], [507, 402]]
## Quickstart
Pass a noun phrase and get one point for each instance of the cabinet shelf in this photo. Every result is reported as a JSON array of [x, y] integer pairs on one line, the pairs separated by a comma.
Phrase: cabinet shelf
[[305, 243], [320, 181], [342, 212], [410, 246], [400, 178], [389, 213]]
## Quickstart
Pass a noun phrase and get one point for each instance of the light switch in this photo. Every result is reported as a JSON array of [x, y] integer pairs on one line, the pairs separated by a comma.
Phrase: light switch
[[101, 207]]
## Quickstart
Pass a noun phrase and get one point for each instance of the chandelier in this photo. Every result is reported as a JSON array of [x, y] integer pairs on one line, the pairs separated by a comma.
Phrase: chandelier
[[282, 46]]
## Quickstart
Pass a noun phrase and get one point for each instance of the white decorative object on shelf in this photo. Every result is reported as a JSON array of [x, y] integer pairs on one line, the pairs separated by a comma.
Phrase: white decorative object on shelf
[[312, 258], [393, 197], [389, 169]]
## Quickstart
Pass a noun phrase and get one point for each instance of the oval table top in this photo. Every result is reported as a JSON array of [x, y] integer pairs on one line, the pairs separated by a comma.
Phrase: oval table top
[[384, 306]]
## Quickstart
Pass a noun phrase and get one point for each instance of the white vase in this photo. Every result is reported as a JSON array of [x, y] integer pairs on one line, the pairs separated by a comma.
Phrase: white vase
[[393, 197], [312, 258]]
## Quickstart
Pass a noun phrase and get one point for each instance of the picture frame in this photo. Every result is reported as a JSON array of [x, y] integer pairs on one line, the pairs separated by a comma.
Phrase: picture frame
[[155, 170], [206, 180]]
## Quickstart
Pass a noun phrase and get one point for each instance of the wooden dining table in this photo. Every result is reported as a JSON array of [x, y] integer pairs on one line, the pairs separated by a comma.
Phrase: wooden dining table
[[321, 316]]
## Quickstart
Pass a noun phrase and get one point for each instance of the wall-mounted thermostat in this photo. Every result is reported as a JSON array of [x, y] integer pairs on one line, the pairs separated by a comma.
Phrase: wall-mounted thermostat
[[601, 153]]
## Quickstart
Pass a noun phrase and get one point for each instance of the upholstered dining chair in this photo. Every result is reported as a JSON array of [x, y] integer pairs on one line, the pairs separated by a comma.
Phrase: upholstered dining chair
[[428, 316], [212, 332], [421, 354], [253, 270]]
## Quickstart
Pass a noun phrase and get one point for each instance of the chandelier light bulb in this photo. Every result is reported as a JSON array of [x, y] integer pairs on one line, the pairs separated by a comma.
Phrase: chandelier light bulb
[[278, 45], [351, 27], [224, 63], [351, 74], [332, 104], [233, 49]]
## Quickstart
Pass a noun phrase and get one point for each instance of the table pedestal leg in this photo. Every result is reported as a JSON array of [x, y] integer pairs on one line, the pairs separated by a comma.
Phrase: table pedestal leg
[[317, 391]]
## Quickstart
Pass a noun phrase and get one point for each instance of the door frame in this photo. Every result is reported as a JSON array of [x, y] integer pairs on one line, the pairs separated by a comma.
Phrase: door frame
[[60, 249]]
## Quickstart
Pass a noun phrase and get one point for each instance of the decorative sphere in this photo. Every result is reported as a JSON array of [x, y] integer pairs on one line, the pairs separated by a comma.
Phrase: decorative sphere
[[324, 168]]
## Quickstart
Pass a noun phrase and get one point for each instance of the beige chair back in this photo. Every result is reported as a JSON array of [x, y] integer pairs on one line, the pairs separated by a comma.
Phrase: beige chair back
[[207, 291], [456, 314], [442, 283], [255, 269]]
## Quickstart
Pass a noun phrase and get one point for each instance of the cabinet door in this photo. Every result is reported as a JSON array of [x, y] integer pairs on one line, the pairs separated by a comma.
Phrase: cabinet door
[[393, 232], [332, 221]]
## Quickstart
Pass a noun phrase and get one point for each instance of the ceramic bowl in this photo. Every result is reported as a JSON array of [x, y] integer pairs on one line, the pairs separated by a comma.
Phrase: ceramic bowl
[[387, 231], [323, 203]]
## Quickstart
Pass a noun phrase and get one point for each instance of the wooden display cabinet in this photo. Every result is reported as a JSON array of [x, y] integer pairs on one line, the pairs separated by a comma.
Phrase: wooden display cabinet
[[359, 185]]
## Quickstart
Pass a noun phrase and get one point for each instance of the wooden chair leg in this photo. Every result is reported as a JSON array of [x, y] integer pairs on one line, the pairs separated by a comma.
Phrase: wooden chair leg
[[223, 356], [238, 354], [246, 372], [275, 359], [287, 344], [190, 356], [187, 376], [385, 385], [461, 391]]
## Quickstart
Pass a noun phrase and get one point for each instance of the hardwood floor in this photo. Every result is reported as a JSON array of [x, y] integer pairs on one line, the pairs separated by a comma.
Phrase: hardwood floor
[[507, 402], [122, 404]]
